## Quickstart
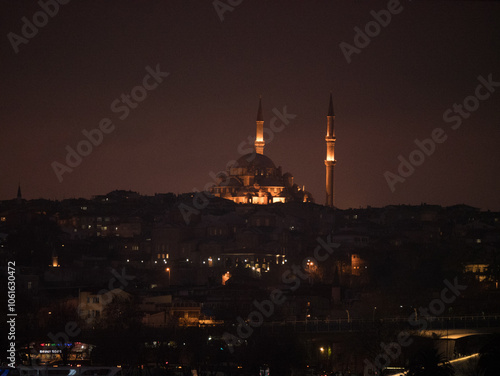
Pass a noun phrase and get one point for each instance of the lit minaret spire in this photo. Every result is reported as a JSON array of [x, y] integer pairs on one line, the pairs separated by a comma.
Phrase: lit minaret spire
[[330, 155], [259, 137]]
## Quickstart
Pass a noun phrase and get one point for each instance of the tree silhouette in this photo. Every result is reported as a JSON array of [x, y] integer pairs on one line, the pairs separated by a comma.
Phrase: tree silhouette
[[489, 355], [121, 314], [429, 362]]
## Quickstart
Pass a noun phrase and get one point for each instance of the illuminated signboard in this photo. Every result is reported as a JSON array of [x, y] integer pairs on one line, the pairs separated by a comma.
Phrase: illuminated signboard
[[52, 351]]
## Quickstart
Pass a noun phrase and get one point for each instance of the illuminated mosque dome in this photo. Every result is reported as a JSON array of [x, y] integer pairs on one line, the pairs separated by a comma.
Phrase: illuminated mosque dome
[[254, 160], [255, 179]]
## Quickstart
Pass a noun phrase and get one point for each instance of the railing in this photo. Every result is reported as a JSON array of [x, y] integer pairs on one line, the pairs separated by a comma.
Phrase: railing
[[428, 323]]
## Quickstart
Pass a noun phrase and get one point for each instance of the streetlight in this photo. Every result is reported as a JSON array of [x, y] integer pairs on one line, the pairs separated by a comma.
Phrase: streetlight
[[373, 315], [168, 271]]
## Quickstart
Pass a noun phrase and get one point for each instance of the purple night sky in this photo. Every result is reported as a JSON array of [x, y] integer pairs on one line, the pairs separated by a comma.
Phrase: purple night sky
[[396, 89]]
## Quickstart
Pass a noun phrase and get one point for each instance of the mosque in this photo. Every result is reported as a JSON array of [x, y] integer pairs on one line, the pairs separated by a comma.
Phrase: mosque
[[255, 179]]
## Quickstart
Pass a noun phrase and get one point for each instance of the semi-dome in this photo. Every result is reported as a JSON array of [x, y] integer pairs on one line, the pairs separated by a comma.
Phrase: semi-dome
[[256, 160], [231, 182]]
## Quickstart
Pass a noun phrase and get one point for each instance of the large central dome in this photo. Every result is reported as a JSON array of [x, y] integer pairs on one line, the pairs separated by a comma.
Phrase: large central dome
[[258, 161]]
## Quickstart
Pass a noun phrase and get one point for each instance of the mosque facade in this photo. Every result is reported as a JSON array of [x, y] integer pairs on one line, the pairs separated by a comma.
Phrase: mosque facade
[[255, 179]]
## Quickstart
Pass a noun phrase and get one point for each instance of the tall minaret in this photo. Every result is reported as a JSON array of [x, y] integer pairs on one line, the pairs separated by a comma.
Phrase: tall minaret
[[259, 137], [330, 155], [19, 198]]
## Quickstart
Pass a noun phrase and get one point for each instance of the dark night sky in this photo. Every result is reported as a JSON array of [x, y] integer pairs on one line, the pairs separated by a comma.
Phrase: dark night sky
[[396, 90]]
